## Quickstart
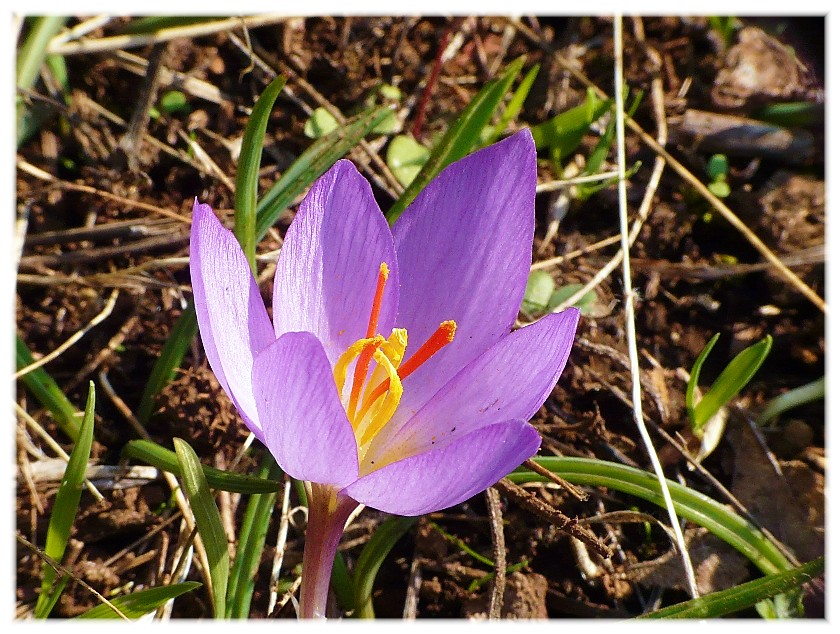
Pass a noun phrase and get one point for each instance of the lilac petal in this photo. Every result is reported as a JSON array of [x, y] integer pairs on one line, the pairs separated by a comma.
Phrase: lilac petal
[[444, 477], [464, 249], [509, 381], [305, 426], [329, 264], [232, 318]]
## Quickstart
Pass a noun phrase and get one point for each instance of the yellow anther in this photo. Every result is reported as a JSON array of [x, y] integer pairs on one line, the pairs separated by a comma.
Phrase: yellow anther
[[346, 358], [388, 405]]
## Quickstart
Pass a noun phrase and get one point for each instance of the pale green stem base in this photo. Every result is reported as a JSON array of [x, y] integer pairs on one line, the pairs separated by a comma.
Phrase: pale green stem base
[[328, 512]]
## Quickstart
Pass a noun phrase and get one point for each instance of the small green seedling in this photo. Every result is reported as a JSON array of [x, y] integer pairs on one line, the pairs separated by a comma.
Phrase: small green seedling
[[718, 169], [731, 381]]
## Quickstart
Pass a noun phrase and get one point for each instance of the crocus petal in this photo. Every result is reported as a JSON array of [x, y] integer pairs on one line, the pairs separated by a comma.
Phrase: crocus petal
[[444, 477], [464, 249], [305, 426], [232, 318], [329, 264], [509, 381]]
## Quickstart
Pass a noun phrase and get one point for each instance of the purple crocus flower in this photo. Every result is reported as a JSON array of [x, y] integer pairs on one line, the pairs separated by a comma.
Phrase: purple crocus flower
[[390, 375]]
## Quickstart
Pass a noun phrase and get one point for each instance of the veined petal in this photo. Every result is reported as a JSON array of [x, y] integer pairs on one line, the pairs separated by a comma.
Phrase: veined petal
[[509, 381], [232, 318], [305, 426], [329, 264], [464, 250], [444, 477]]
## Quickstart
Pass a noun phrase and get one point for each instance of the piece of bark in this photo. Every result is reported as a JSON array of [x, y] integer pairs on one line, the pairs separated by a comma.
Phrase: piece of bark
[[737, 136]]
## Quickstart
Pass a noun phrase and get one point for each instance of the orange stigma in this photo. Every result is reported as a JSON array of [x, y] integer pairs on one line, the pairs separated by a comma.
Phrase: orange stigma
[[441, 337], [365, 357], [377, 300]]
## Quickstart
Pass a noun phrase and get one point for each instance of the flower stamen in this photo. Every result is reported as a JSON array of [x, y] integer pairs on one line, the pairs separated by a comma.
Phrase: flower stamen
[[442, 337], [366, 355]]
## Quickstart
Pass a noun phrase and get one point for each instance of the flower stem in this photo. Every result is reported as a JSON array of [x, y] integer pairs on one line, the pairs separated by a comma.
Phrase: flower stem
[[328, 511]]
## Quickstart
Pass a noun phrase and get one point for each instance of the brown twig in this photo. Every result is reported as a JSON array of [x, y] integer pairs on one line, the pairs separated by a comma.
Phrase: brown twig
[[420, 117], [497, 593], [133, 137], [61, 570], [567, 486], [45, 176], [171, 240], [531, 503]]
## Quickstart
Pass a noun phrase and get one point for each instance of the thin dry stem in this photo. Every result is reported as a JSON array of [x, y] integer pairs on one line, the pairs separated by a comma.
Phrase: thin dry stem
[[629, 298], [280, 548], [52, 444], [684, 173], [58, 46], [579, 494], [531, 503], [101, 316], [45, 176], [497, 534], [62, 570]]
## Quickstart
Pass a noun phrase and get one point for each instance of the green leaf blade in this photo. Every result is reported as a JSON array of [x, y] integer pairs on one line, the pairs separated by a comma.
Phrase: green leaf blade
[[252, 536], [693, 380], [65, 506], [460, 138], [732, 380], [208, 520], [742, 596], [157, 456], [563, 133], [46, 390], [248, 171], [140, 603], [313, 162], [370, 560]]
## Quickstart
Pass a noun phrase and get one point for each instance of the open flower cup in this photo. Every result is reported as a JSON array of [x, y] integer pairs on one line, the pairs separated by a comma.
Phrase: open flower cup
[[389, 375]]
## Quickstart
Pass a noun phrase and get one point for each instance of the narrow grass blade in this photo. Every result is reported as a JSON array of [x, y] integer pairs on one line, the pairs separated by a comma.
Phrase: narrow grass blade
[[182, 335], [29, 59], [807, 393], [252, 536], [514, 107], [155, 23], [692, 505], [342, 583], [140, 603], [599, 154], [316, 160], [460, 138], [208, 521], [248, 171], [153, 454], [373, 554], [694, 379], [463, 546], [47, 392], [64, 508], [564, 132], [33, 51], [743, 596], [732, 380]]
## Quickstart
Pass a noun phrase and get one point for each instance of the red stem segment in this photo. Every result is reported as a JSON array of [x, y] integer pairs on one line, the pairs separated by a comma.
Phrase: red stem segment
[[328, 512]]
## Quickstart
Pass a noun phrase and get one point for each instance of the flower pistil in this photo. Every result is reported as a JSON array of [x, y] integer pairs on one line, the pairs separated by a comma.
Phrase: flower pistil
[[374, 399]]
